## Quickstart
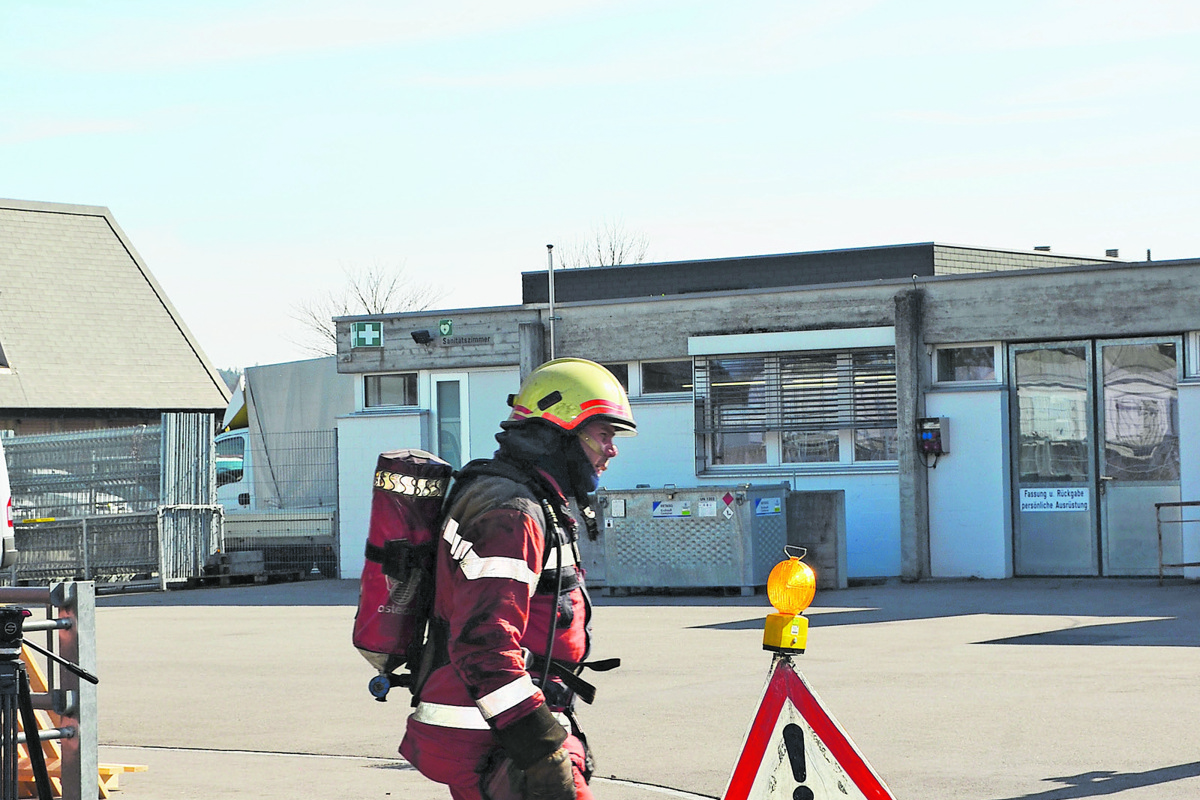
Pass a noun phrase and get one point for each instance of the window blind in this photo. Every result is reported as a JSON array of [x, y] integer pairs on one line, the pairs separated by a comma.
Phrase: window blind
[[795, 392]]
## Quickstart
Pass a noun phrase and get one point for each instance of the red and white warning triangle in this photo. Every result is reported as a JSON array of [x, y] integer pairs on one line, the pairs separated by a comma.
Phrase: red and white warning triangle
[[795, 750]]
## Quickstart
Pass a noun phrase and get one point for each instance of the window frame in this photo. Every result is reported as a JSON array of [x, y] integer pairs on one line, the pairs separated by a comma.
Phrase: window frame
[[619, 366], [366, 393], [997, 364], [1191, 356], [683, 391], [830, 393]]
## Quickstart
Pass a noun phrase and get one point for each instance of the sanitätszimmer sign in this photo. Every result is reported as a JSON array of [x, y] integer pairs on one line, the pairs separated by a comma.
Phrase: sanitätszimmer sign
[[1071, 498]]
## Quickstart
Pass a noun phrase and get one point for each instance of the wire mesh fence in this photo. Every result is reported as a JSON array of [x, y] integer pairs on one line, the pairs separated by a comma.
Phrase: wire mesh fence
[[112, 548], [143, 504], [113, 471], [280, 495]]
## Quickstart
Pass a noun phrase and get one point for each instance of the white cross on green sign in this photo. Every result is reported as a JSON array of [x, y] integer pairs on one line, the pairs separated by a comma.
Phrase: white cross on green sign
[[445, 327], [366, 334]]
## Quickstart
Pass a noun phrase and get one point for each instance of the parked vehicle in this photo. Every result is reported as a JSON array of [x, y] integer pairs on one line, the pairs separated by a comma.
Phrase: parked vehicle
[[8, 538], [277, 464]]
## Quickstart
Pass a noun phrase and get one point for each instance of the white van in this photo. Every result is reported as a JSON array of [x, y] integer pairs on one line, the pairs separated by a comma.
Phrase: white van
[[8, 539]]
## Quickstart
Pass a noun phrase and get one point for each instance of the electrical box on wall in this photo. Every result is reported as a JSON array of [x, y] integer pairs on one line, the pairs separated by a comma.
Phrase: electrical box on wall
[[933, 436]]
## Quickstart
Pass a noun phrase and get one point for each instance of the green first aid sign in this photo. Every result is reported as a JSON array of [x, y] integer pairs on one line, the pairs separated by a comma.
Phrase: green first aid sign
[[366, 334], [445, 327]]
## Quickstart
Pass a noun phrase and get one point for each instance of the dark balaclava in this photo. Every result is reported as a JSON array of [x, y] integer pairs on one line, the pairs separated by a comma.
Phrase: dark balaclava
[[534, 443]]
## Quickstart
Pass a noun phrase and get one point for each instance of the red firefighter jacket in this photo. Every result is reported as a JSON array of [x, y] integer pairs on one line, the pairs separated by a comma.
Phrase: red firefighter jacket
[[497, 587]]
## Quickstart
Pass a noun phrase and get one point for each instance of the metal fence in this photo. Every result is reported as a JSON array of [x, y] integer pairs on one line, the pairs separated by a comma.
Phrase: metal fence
[[115, 505], [283, 505], [189, 519], [113, 471]]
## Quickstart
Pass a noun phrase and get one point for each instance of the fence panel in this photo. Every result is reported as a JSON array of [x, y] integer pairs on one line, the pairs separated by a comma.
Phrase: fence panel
[[111, 471], [189, 517], [105, 548], [117, 504], [287, 503], [140, 504]]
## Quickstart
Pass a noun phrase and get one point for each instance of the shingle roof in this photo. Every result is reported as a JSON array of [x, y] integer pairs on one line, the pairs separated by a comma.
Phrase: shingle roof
[[83, 323]]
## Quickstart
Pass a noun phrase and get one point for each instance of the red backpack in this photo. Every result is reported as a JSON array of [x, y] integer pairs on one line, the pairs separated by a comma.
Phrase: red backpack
[[396, 595]]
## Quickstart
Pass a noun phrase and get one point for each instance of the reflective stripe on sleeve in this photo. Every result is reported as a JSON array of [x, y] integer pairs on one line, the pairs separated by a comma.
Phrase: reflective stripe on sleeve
[[459, 546], [474, 566], [516, 569], [506, 697]]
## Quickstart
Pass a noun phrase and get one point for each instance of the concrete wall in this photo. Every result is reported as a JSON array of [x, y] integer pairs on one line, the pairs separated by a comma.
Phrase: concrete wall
[[970, 507], [659, 327], [487, 337], [1097, 302]]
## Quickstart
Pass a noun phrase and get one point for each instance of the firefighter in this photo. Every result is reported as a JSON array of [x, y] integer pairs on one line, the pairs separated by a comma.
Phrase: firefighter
[[495, 718]]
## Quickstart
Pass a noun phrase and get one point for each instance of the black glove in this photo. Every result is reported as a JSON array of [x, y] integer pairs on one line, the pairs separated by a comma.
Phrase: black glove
[[551, 777]]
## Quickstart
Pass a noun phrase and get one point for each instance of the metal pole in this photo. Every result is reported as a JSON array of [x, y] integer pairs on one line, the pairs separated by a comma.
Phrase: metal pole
[[550, 268], [83, 547], [1158, 525]]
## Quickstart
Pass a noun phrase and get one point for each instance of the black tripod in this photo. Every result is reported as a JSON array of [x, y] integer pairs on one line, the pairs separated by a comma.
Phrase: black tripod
[[15, 698]]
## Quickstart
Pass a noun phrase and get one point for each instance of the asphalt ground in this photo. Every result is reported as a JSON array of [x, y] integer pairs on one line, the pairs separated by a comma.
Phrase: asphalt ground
[[992, 690]]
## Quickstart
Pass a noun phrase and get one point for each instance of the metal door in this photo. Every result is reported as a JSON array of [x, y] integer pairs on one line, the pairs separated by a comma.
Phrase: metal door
[[1139, 462], [1054, 518]]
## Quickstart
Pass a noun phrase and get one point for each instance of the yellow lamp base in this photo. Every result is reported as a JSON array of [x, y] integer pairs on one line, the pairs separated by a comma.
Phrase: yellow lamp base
[[785, 633]]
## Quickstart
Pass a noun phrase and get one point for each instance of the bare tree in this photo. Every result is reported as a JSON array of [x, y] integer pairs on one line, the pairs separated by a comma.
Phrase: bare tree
[[373, 290], [609, 245]]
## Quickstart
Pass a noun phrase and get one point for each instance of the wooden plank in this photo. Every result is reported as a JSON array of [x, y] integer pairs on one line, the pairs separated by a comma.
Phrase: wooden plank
[[45, 719]]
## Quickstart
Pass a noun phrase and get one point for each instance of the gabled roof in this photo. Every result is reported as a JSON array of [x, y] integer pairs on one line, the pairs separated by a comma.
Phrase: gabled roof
[[83, 323]]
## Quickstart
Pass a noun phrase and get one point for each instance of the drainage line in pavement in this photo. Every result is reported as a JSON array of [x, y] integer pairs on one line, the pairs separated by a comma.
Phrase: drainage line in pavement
[[398, 762]]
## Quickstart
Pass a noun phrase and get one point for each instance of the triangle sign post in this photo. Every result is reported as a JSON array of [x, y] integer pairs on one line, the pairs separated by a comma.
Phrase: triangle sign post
[[795, 750]]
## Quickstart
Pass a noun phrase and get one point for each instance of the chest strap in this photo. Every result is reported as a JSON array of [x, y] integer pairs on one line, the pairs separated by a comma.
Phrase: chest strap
[[548, 582]]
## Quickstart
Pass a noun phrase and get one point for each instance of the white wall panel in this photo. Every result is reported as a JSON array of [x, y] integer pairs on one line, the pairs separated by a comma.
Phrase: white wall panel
[[970, 508], [361, 438], [488, 405]]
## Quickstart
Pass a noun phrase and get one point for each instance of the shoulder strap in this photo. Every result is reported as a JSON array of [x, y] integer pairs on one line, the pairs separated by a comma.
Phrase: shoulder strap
[[530, 478]]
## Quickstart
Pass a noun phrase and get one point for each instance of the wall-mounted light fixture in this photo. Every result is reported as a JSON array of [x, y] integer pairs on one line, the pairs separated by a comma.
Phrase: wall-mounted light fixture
[[422, 337]]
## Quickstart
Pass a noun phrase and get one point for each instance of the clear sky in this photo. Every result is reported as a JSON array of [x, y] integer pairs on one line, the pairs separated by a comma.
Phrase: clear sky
[[254, 150]]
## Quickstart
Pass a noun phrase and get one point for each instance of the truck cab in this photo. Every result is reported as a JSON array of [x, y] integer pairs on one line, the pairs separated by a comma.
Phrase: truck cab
[[235, 472]]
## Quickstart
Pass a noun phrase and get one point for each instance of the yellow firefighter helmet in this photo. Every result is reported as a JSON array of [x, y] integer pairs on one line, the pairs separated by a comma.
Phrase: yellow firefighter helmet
[[569, 392]]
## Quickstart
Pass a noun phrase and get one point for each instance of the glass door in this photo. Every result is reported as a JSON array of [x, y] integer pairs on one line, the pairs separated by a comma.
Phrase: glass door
[[1054, 516], [451, 426], [1139, 463]]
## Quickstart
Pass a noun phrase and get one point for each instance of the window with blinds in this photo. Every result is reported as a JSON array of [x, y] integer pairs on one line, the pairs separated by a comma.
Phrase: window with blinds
[[796, 407]]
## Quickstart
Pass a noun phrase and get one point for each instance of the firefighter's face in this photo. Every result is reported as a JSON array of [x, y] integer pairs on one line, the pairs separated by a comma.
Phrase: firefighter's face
[[597, 438]]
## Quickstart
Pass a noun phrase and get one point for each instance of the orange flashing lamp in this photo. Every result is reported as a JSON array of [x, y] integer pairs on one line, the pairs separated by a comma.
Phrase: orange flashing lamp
[[790, 588]]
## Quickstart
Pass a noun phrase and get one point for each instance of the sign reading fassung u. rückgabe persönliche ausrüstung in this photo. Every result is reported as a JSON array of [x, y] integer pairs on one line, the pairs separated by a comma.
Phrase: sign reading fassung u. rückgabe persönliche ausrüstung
[[1060, 498]]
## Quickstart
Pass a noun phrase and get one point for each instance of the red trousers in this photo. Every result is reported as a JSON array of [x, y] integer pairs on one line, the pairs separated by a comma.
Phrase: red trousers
[[473, 790]]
